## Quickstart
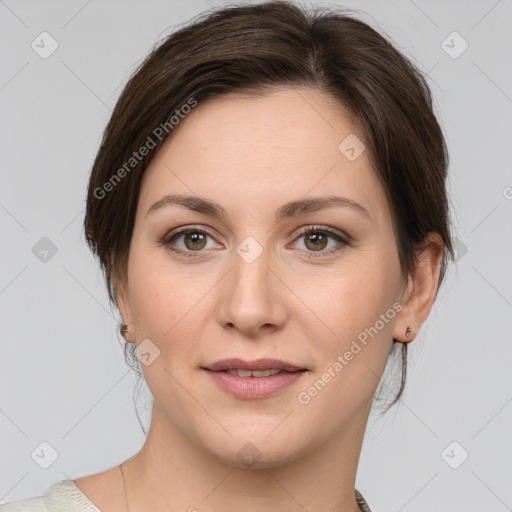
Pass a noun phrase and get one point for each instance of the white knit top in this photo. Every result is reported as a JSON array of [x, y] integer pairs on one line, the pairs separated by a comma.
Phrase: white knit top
[[62, 496], [65, 496]]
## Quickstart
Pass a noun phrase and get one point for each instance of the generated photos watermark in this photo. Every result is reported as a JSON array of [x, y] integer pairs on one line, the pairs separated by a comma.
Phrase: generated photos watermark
[[144, 150], [304, 397]]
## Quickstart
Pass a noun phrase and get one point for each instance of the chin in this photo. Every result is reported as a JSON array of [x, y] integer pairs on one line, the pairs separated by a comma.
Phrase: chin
[[254, 449]]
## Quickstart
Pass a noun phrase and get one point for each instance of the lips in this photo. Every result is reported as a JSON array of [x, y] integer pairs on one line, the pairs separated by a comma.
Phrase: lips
[[257, 365], [253, 380]]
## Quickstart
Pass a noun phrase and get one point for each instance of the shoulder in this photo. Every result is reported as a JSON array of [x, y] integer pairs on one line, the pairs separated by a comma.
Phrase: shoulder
[[62, 496]]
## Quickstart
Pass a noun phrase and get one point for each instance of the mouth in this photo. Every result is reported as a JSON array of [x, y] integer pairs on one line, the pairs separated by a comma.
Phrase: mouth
[[253, 379], [258, 373], [256, 368]]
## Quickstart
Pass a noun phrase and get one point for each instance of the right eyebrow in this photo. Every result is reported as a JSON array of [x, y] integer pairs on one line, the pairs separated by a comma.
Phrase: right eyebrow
[[194, 203]]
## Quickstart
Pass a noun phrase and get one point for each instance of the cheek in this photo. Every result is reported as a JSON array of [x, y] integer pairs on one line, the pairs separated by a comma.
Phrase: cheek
[[164, 303], [357, 295], [354, 350], [160, 296], [358, 315]]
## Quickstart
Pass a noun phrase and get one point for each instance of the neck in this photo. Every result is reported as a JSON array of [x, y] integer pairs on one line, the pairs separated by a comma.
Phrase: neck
[[172, 471]]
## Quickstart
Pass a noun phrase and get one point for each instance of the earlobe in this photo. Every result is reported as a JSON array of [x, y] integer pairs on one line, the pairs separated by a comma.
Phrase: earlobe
[[421, 290]]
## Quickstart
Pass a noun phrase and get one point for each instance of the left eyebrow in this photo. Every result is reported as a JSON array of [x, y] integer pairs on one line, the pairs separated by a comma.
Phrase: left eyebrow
[[313, 204], [291, 209]]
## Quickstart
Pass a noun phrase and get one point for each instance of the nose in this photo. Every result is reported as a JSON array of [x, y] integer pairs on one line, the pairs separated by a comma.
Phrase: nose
[[252, 298]]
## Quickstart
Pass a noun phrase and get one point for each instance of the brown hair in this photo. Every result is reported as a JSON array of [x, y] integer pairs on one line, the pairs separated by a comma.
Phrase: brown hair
[[248, 49]]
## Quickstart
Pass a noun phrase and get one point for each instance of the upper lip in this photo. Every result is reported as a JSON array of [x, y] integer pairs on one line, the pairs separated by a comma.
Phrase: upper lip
[[258, 364]]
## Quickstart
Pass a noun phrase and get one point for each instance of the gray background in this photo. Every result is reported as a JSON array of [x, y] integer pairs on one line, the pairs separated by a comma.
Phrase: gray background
[[63, 377]]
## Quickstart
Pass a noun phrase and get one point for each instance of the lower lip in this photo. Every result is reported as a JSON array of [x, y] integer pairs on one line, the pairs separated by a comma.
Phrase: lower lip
[[254, 387]]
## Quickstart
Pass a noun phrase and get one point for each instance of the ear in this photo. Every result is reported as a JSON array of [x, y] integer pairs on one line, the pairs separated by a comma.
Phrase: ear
[[121, 288], [420, 292]]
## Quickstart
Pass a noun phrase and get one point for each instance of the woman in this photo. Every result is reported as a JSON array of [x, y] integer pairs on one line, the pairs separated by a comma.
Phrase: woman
[[268, 207]]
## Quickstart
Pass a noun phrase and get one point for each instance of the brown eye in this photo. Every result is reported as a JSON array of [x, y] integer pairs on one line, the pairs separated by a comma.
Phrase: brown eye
[[188, 241], [194, 240], [319, 241], [316, 241]]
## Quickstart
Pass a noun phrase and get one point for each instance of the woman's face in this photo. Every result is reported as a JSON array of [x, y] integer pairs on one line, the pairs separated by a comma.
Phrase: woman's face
[[257, 284]]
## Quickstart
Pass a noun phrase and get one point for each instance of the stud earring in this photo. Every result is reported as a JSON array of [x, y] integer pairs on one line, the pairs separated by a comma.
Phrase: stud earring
[[409, 332], [123, 328]]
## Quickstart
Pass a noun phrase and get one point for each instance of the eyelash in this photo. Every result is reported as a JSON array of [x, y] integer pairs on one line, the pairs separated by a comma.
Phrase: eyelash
[[342, 241]]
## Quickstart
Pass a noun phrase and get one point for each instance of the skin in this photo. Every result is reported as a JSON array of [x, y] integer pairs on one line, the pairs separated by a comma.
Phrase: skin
[[251, 155]]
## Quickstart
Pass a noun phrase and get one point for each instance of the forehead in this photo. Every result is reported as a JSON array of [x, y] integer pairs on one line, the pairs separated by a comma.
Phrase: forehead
[[286, 119], [279, 145]]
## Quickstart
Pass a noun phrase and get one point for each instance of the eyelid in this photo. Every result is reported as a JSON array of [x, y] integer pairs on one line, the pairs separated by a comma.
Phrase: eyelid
[[188, 227], [324, 229]]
